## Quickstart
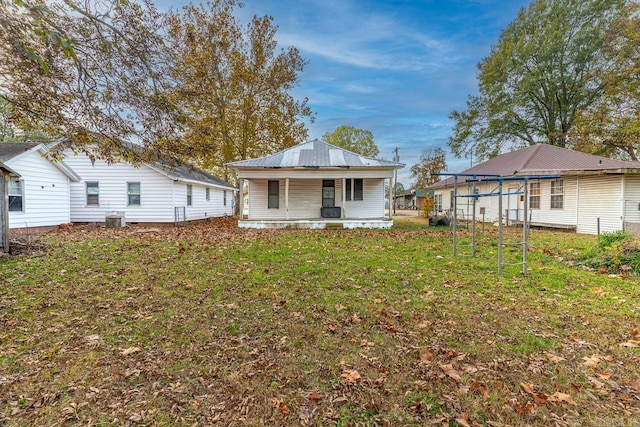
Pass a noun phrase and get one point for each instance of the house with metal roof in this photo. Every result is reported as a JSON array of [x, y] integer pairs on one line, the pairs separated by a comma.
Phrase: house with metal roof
[[565, 189], [315, 185], [38, 188], [167, 193]]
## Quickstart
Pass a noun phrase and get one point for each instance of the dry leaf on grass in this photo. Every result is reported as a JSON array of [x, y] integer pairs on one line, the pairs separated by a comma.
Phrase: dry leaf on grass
[[480, 388], [553, 358], [561, 398], [450, 372], [528, 388], [351, 376], [130, 350], [594, 359], [630, 343], [426, 356], [635, 384]]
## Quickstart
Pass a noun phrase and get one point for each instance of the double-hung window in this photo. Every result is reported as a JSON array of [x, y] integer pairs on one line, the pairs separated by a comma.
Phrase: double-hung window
[[557, 194], [189, 195], [16, 195], [224, 198], [207, 194], [355, 189], [534, 195], [273, 201], [93, 193], [133, 193], [437, 203]]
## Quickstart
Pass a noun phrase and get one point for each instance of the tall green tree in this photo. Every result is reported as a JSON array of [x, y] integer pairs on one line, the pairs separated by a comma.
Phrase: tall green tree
[[611, 126], [432, 161], [92, 72], [536, 78], [353, 139], [234, 85]]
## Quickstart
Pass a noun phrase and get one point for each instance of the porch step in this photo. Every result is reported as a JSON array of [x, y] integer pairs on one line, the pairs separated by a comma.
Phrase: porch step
[[335, 226]]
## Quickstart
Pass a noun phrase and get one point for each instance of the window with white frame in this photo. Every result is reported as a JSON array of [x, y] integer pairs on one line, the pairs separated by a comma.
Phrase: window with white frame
[[557, 194], [224, 198], [16, 195], [133, 193], [534, 195], [273, 201], [354, 189], [93, 193], [189, 195], [207, 194], [437, 202]]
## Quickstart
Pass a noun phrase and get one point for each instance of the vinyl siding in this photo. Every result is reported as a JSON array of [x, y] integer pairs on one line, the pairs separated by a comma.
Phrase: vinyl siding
[[632, 199], [159, 194], [202, 208], [305, 200], [600, 197], [45, 192]]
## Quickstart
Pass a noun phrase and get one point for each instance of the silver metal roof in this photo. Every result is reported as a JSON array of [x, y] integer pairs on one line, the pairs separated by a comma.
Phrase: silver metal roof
[[315, 154]]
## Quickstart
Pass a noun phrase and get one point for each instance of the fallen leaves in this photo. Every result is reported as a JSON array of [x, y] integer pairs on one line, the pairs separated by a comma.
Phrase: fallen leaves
[[594, 359], [351, 376], [130, 350], [451, 372]]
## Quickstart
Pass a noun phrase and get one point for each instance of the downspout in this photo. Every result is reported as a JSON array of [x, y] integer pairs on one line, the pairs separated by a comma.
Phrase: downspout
[[344, 197], [286, 197]]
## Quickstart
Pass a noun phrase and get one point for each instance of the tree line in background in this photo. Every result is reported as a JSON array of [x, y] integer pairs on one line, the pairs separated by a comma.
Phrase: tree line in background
[[193, 83], [198, 84], [564, 72]]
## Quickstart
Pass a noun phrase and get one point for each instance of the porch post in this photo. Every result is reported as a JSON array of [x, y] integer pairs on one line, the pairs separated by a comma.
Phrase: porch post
[[391, 201], [241, 201], [344, 198], [286, 197]]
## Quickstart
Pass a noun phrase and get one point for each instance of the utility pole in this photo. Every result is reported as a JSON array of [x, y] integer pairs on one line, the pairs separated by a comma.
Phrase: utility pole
[[396, 158]]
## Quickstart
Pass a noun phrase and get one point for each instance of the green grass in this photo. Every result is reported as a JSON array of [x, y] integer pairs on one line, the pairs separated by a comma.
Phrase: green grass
[[209, 324]]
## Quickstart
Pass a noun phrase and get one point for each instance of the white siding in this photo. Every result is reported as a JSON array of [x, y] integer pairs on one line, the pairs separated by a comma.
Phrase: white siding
[[202, 208], [565, 216], [159, 194], [632, 199], [305, 200], [45, 192], [600, 197]]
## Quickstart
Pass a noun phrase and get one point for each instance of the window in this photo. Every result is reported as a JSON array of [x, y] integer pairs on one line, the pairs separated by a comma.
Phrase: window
[[274, 195], [357, 186], [16, 202], [207, 194], [93, 193], [534, 195], [224, 198], [437, 203], [452, 200], [557, 195], [189, 195], [328, 193], [133, 193]]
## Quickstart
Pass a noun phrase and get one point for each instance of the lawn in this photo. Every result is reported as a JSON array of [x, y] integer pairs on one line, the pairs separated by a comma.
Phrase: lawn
[[211, 325]]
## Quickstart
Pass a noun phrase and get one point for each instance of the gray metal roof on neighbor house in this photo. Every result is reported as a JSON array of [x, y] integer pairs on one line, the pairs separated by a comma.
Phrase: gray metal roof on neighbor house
[[543, 159], [315, 154]]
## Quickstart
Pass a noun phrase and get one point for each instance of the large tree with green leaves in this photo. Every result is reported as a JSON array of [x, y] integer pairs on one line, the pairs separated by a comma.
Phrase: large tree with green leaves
[[538, 76], [353, 139], [234, 84], [92, 72], [611, 126], [432, 162]]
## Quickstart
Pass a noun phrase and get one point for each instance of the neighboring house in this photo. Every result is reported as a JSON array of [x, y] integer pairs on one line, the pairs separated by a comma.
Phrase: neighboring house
[[314, 184], [39, 197], [148, 193], [6, 174], [411, 199], [591, 194]]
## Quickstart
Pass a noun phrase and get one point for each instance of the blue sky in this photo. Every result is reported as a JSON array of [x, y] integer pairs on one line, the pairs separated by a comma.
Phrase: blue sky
[[396, 68]]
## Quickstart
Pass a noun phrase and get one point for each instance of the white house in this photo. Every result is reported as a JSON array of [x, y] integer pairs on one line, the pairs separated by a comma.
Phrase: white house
[[589, 194], [39, 196], [148, 193], [314, 184]]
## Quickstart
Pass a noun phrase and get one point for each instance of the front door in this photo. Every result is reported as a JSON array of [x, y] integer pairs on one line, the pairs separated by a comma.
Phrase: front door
[[328, 193]]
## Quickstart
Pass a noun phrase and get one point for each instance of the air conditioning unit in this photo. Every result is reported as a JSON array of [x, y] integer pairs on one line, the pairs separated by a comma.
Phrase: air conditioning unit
[[115, 219]]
